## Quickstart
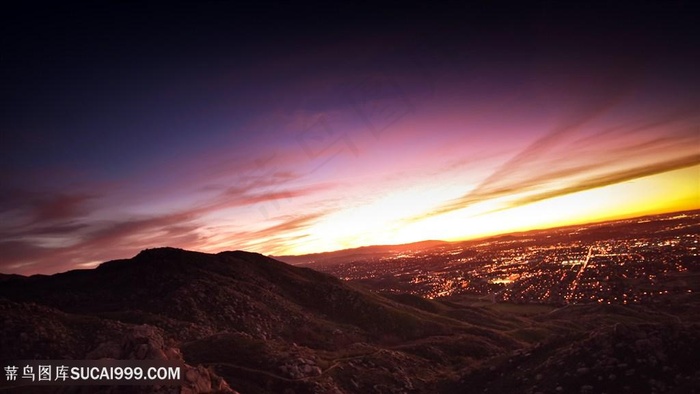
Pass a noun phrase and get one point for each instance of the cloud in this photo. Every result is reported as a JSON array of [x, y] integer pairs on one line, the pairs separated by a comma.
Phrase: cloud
[[40, 207], [16, 254], [51, 228], [562, 162], [241, 197], [292, 223], [610, 179], [63, 229], [286, 230], [99, 241], [61, 206], [63, 222]]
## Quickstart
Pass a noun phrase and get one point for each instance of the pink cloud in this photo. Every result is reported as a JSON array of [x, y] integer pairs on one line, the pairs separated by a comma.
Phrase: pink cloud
[[99, 240]]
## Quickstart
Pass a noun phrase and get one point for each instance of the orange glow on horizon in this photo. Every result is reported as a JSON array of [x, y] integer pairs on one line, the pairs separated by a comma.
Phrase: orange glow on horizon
[[382, 222]]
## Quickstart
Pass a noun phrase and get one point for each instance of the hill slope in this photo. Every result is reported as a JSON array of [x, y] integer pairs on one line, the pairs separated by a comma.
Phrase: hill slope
[[247, 323], [261, 324]]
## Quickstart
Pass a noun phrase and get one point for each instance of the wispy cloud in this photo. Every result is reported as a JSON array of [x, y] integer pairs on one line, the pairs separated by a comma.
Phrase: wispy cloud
[[61, 206], [562, 162], [610, 179], [59, 234], [52, 231], [96, 241], [287, 231]]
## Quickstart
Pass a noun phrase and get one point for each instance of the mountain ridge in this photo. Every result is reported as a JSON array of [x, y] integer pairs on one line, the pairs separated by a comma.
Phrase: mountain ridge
[[200, 302], [243, 322]]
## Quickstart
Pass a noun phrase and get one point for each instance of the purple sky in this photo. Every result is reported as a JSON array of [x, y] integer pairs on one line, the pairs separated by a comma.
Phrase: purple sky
[[303, 128]]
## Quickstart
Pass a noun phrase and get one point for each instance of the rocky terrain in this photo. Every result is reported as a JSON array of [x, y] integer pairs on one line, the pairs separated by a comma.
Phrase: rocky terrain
[[242, 322]]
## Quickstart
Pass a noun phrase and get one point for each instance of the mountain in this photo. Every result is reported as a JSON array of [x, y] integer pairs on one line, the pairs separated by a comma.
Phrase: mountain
[[262, 325], [243, 322], [597, 349]]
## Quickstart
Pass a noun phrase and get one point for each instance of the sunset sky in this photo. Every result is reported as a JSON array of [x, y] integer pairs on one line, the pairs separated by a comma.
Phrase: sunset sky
[[292, 129]]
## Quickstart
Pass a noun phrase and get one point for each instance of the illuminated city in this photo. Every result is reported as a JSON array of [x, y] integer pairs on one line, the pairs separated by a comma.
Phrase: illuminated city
[[625, 262]]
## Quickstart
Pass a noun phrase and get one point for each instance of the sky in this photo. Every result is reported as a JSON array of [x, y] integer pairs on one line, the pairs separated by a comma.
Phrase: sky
[[291, 128]]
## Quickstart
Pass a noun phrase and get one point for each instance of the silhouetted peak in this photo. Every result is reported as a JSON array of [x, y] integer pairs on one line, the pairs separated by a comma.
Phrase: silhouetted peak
[[174, 258], [240, 253], [163, 250], [9, 277], [160, 252]]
